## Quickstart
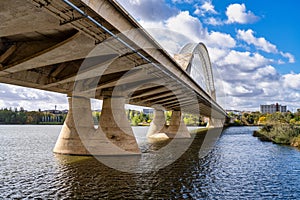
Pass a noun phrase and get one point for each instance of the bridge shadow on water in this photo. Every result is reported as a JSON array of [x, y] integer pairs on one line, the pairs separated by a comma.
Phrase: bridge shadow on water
[[185, 178]]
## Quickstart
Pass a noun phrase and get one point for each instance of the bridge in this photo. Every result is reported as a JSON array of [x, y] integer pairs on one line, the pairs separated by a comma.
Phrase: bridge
[[93, 49]]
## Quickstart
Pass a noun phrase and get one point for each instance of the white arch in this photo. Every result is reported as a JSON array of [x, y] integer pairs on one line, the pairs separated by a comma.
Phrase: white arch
[[192, 52]]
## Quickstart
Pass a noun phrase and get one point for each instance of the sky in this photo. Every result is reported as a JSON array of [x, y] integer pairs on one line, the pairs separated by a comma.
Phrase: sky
[[254, 47]]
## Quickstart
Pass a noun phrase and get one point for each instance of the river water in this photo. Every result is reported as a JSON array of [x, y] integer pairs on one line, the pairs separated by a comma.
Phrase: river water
[[238, 167]]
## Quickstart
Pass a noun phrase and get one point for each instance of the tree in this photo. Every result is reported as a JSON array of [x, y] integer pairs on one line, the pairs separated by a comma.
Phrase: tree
[[135, 120], [168, 115], [262, 120]]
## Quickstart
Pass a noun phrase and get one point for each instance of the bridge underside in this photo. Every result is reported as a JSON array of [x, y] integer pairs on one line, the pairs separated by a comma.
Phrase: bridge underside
[[50, 46]]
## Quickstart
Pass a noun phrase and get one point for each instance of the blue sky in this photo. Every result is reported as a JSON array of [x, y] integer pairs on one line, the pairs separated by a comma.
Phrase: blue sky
[[274, 21], [277, 23], [254, 47]]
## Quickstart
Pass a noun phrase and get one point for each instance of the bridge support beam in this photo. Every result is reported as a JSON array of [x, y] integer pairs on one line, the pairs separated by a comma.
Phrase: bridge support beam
[[113, 137], [176, 129]]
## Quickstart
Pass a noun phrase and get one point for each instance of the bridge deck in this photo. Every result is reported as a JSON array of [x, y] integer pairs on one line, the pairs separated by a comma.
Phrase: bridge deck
[[49, 45]]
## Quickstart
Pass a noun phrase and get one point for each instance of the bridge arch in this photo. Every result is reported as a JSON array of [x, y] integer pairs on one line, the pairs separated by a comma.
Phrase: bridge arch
[[194, 58]]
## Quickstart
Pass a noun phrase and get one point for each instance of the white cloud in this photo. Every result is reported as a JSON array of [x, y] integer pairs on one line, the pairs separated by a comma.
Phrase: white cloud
[[289, 56], [31, 99], [244, 60], [213, 21], [171, 41], [182, 1], [272, 89], [216, 54], [221, 40], [237, 13], [260, 43], [206, 7], [135, 2], [245, 77], [187, 25], [292, 81], [243, 89], [264, 72], [183, 24], [191, 27], [149, 10], [175, 32]]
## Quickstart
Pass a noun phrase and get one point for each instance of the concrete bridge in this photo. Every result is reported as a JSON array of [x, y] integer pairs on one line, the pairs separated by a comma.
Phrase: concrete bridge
[[95, 49]]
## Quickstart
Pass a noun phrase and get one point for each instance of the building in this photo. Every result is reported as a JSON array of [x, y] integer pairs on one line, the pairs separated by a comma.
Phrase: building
[[235, 112], [148, 111], [272, 108]]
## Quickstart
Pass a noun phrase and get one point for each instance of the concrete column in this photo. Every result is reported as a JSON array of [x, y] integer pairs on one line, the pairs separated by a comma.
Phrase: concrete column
[[214, 123], [116, 127], [158, 124], [113, 137], [177, 128], [220, 123], [209, 122], [79, 120]]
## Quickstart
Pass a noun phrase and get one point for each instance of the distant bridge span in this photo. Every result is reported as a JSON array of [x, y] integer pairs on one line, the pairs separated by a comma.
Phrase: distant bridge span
[[95, 49]]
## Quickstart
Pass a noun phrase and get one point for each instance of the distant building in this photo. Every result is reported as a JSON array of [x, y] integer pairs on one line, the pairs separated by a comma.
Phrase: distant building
[[235, 112], [53, 111], [272, 108], [148, 111]]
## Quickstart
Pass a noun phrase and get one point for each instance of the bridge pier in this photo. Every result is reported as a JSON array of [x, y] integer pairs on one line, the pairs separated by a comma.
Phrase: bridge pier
[[69, 141], [158, 124], [116, 127], [114, 135], [214, 123], [176, 129]]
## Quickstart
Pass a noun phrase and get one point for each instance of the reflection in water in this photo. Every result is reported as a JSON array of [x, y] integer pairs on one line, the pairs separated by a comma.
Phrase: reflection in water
[[156, 155], [87, 177], [239, 167]]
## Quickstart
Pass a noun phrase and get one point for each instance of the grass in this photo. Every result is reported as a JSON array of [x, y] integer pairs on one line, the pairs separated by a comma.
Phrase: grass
[[280, 133]]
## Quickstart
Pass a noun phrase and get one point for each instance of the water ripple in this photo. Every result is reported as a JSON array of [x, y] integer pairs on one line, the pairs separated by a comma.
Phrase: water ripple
[[239, 167]]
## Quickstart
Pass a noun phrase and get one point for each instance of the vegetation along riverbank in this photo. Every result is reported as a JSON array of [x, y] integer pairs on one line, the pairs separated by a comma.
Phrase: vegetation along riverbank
[[280, 128], [56, 117]]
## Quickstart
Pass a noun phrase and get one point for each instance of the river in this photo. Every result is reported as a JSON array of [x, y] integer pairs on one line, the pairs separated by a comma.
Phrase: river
[[238, 167]]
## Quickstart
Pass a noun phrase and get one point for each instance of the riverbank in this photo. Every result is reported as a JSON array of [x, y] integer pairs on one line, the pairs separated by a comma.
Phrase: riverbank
[[280, 133]]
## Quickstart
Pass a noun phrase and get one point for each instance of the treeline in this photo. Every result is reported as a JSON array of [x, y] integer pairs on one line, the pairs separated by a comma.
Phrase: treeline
[[244, 119], [136, 118], [258, 119], [21, 116]]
